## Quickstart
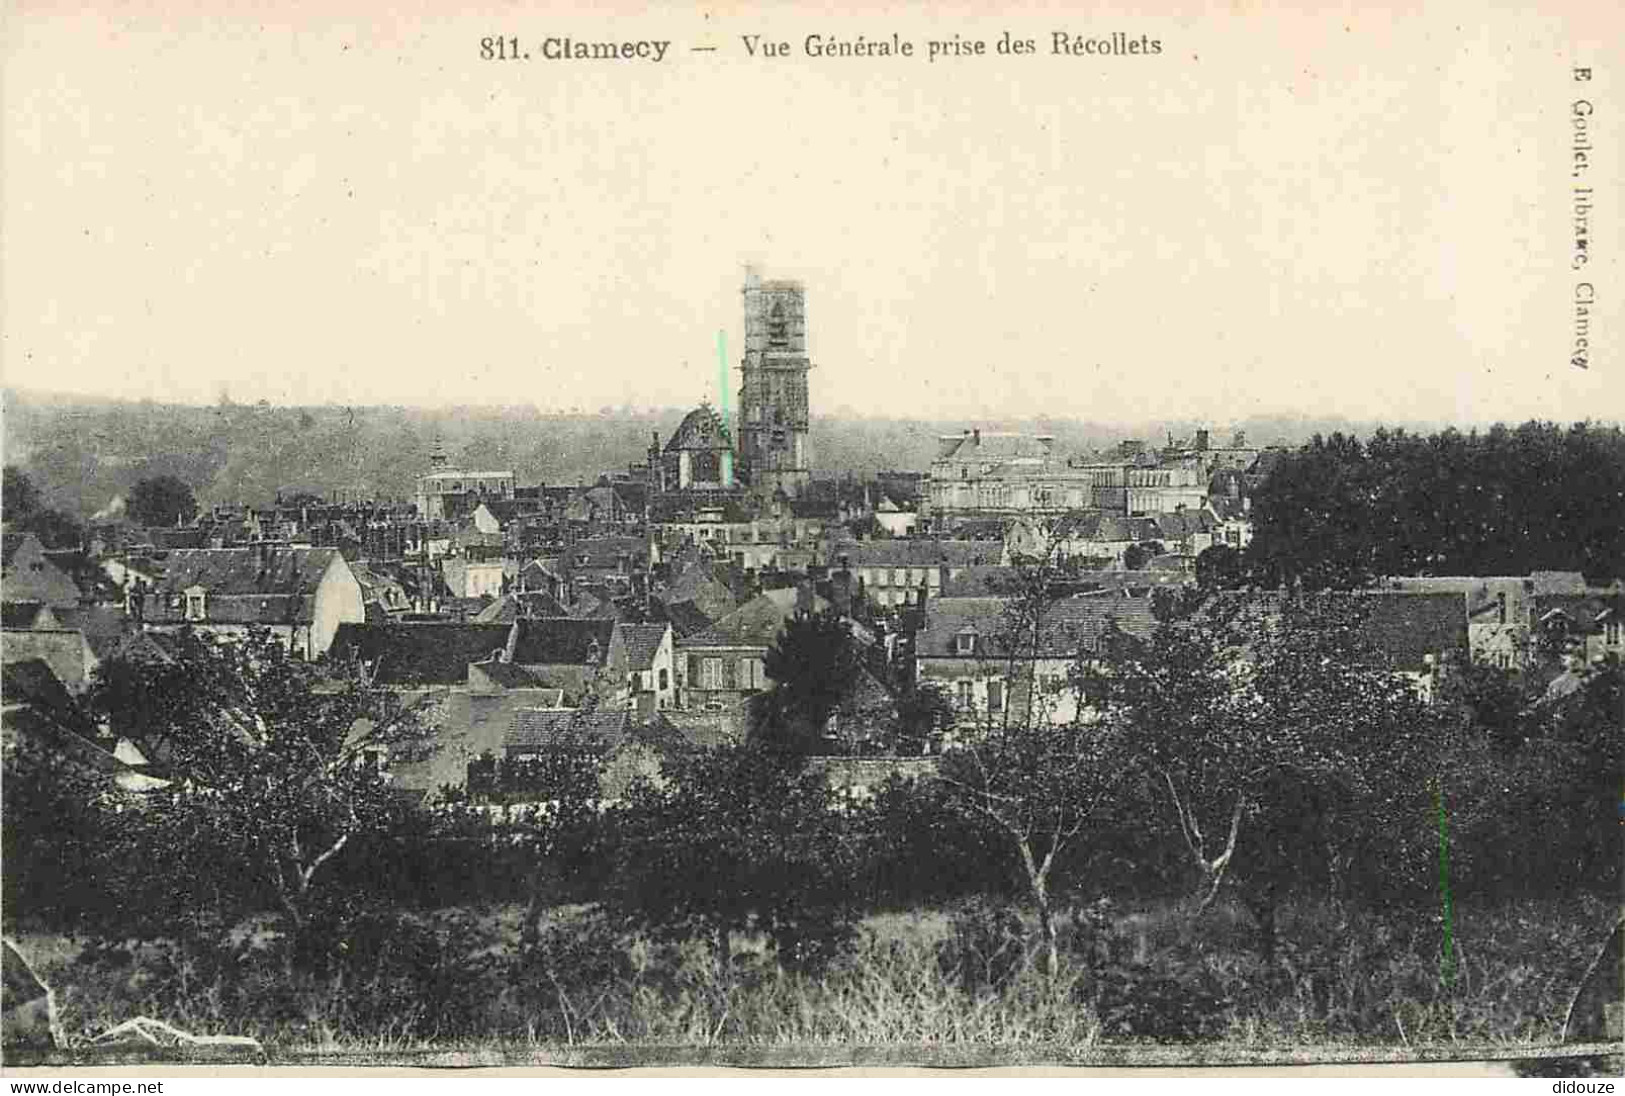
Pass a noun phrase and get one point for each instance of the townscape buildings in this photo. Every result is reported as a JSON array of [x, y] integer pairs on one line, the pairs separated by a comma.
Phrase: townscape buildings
[[642, 606]]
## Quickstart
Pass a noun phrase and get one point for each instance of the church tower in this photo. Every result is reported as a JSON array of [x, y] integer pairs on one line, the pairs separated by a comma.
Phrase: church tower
[[773, 402]]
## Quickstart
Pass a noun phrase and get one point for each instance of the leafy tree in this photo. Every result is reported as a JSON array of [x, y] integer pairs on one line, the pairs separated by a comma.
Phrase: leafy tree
[[1508, 501], [1495, 701], [273, 766], [924, 712], [19, 495], [1310, 526], [1220, 567], [25, 511], [162, 500], [1277, 743], [733, 840], [1038, 780], [813, 665]]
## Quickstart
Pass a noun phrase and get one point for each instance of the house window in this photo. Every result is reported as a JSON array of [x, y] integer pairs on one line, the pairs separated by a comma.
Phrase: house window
[[965, 643], [1501, 608], [964, 690], [665, 679], [1611, 631], [711, 673], [195, 606], [995, 696]]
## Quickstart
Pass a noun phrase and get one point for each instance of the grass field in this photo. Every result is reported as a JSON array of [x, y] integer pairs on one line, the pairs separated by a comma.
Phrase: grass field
[[934, 979]]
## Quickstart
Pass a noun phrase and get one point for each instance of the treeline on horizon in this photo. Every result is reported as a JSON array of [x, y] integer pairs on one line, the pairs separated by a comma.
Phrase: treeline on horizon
[[82, 451], [1340, 512], [1336, 512]]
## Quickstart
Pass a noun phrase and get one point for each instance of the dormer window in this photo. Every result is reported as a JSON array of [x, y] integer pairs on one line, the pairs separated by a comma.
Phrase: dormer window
[[582, 559], [965, 643]]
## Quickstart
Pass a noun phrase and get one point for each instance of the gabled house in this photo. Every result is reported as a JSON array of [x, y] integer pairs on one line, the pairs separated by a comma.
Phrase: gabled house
[[640, 656], [521, 606], [966, 648], [466, 668], [612, 561], [28, 574], [567, 653], [624, 748], [896, 520], [720, 666], [300, 595], [894, 571], [383, 596], [472, 577]]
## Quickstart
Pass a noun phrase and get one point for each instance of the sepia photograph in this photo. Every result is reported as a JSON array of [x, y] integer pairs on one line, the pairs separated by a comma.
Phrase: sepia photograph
[[627, 536]]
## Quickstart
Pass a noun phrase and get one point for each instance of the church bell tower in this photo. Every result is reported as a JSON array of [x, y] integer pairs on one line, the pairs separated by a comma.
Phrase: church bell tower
[[773, 400]]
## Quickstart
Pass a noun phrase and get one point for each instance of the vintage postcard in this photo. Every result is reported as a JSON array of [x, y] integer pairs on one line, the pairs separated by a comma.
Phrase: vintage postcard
[[768, 534]]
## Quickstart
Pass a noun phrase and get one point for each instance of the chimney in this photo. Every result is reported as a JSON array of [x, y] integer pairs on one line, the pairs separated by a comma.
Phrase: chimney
[[977, 435]]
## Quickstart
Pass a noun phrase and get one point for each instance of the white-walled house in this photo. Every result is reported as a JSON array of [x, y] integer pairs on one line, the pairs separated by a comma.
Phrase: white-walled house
[[963, 650], [641, 656], [299, 595]]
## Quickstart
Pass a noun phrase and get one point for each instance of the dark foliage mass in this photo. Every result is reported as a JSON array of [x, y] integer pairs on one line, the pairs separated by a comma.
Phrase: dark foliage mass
[[22, 505], [162, 500], [1508, 501], [740, 839], [812, 666]]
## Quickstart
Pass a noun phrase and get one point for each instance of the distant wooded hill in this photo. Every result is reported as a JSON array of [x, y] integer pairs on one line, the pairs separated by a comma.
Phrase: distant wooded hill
[[82, 451]]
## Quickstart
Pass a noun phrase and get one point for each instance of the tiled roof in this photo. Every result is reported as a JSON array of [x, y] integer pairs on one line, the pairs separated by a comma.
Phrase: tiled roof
[[1582, 610], [565, 728], [701, 428], [992, 447], [244, 585], [637, 644], [1071, 624], [686, 618], [705, 730], [756, 623], [561, 641], [604, 553], [1095, 526], [815, 509], [419, 654], [1183, 523], [38, 704], [512, 607], [32, 682], [506, 674], [105, 628], [505, 510]]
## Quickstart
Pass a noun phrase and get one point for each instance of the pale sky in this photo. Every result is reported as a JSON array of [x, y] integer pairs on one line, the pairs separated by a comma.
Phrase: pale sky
[[1358, 213]]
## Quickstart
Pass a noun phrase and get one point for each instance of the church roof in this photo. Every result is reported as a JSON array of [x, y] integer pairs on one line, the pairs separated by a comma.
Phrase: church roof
[[701, 428]]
